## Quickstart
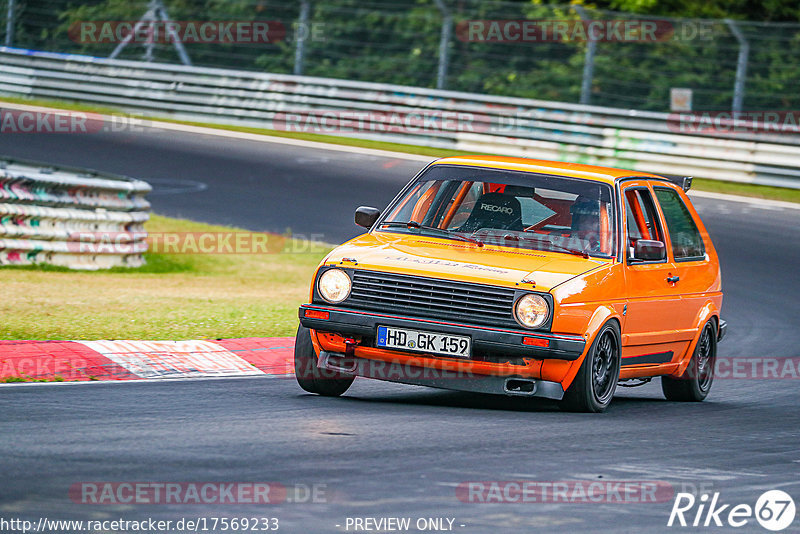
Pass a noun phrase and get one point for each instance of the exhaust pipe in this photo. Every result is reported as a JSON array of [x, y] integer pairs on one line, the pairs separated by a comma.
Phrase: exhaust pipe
[[520, 387], [337, 362]]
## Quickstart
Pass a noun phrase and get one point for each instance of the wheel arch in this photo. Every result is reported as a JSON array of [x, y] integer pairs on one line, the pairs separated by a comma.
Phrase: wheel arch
[[315, 341], [708, 312], [601, 315]]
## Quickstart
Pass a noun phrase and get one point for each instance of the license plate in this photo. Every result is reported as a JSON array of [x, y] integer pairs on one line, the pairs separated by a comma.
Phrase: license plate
[[419, 341]]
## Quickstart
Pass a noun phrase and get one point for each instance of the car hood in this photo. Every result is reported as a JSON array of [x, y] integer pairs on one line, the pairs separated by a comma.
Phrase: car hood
[[458, 260]]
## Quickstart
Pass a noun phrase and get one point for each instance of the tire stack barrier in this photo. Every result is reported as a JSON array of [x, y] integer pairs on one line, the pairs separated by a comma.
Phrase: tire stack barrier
[[70, 217]]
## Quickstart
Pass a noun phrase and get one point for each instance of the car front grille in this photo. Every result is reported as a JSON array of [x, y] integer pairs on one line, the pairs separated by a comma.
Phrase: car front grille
[[432, 298]]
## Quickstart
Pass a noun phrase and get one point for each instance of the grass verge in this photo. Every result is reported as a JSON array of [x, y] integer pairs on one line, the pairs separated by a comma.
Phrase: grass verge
[[717, 186], [13, 379], [174, 296]]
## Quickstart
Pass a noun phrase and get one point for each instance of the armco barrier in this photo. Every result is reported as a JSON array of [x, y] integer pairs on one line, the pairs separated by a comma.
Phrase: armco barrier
[[464, 121], [70, 217]]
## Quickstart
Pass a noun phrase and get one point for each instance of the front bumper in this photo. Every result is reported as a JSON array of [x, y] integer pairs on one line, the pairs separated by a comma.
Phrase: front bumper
[[487, 342], [418, 376]]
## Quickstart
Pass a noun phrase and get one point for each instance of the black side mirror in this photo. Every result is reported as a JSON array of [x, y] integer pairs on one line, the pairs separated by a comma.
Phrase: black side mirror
[[366, 216], [647, 250]]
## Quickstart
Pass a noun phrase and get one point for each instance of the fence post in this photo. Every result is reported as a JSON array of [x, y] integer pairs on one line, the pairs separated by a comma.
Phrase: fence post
[[149, 45], [300, 34], [444, 44], [588, 61], [161, 11], [10, 24], [155, 12], [741, 65]]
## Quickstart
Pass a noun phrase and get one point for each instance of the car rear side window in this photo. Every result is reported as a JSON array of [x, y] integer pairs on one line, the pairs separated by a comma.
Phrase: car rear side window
[[687, 243]]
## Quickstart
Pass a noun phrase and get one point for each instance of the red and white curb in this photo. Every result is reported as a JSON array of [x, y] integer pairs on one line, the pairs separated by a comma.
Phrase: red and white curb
[[145, 360]]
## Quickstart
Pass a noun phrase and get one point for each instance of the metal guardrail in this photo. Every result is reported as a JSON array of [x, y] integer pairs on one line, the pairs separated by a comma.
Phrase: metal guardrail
[[462, 121], [70, 217]]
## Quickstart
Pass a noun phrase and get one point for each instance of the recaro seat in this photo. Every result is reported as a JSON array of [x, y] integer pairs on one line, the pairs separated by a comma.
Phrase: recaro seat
[[494, 211]]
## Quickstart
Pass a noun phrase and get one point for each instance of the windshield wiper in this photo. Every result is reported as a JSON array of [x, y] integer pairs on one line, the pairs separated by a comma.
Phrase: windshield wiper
[[416, 226]]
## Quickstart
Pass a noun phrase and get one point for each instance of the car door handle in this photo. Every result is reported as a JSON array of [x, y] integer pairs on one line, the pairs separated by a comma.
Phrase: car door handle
[[673, 279]]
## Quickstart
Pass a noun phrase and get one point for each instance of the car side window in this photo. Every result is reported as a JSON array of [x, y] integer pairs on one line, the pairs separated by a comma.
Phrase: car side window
[[687, 243], [418, 200], [633, 229], [642, 218]]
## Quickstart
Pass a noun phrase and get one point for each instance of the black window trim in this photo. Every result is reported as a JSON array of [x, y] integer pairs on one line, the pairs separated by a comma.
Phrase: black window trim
[[658, 221], [616, 217], [704, 257]]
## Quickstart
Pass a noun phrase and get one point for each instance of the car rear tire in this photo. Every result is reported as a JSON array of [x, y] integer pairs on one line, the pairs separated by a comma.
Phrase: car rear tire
[[310, 377], [596, 381], [695, 382]]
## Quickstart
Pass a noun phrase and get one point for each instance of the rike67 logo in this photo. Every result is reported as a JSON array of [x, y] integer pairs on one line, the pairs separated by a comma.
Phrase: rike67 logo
[[774, 510]]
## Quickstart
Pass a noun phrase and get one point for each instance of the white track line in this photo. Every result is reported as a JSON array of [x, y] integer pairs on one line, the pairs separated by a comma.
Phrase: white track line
[[757, 202], [143, 381], [263, 138]]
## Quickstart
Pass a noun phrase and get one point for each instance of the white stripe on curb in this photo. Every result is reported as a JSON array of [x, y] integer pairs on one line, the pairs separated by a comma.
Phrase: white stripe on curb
[[174, 359]]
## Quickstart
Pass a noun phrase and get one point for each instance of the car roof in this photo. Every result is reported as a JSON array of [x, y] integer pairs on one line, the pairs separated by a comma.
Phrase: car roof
[[557, 168]]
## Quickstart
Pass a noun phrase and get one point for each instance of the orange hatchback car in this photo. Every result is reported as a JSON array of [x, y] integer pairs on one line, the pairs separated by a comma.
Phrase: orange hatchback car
[[520, 277]]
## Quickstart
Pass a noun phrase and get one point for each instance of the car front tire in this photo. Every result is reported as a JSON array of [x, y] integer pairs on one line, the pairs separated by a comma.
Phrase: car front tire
[[695, 382], [596, 381], [310, 377]]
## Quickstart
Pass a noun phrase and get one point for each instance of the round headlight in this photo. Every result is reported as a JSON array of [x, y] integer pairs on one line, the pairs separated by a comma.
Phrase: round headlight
[[334, 285], [531, 311]]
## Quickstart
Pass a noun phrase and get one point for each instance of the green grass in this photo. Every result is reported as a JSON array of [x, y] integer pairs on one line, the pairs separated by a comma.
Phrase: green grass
[[747, 190], [717, 186], [174, 296], [13, 379]]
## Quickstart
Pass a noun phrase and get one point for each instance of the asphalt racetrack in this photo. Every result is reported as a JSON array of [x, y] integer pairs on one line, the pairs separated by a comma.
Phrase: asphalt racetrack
[[386, 450]]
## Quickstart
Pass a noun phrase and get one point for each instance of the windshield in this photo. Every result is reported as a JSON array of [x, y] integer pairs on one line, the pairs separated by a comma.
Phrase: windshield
[[508, 208]]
